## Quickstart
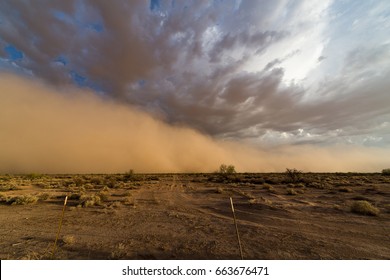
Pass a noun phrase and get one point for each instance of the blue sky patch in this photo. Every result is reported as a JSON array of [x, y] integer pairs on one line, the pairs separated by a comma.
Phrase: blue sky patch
[[97, 26], [61, 59], [77, 78], [13, 53], [154, 5]]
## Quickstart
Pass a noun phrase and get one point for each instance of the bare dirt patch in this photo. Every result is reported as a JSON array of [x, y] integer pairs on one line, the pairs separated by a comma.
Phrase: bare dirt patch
[[188, 216]]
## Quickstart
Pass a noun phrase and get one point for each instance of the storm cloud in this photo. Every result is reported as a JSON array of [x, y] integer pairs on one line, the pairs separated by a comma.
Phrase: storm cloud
[[263, 73]]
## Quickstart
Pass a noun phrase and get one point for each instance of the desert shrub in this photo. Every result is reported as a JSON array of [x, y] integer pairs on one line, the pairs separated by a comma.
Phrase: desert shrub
[[293, 175], [22, 200], [96, 181], [111, 183], [74, 196], [292, 192], [227, 169], [78, 181], [129, 175], [115, 204], [299, 185], [5, 188], [3, 198], [90, 200], [225, 174], [129, 201], [149, 178], [256, 181], [220, 190], [365, 208], [87, 187], [316, 185], [42, 185], [119, 251], [69, 239], [104, 195], [270, 181], [269, 188], [33, 176], [386, 171], [5, 178], [43, 196]]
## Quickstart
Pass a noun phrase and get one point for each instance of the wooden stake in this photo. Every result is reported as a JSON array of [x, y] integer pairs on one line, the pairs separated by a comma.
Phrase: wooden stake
[[59, 227], [235, 223]]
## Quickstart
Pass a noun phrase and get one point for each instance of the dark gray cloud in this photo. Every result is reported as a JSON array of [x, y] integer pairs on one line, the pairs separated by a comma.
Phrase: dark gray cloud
[[187, 63]]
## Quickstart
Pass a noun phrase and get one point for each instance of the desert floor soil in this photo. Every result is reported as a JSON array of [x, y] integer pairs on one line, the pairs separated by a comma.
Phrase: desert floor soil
[[188, 216]]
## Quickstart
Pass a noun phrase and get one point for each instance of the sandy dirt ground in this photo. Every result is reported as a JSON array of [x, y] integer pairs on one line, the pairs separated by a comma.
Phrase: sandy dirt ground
[[188, 216]]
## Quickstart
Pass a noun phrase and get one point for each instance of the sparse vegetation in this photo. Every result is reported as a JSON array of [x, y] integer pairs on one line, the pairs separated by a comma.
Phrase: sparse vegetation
[[6, 188], [119, 251], [69, 239], [294, 175], [90, 200], [33, 176], [22, 200], [227, 169], [219, 190], [43, 196], [154, 203], [104, 195], [292, 192], [3, 198], [129, 175], [386, 172], [364, 207]]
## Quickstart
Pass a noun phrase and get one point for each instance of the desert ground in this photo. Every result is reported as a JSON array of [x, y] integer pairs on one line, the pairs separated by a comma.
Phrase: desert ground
[[188, 216]]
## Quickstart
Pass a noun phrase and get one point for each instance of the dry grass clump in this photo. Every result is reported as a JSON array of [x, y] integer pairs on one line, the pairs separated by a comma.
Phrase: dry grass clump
[[22, 200], [128, 193], [129, 201], [220, 190], [115, 204], [364, 207], [3, 198], [291, 192], [90, 200], [43, 196], [75, 196], [119, 251], [5, 188], [317, 185], [104, 195], [69, 239], [268, 187]]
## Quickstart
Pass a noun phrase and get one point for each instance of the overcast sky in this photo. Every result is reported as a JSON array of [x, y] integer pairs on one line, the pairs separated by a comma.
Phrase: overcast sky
[[263, 72]]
